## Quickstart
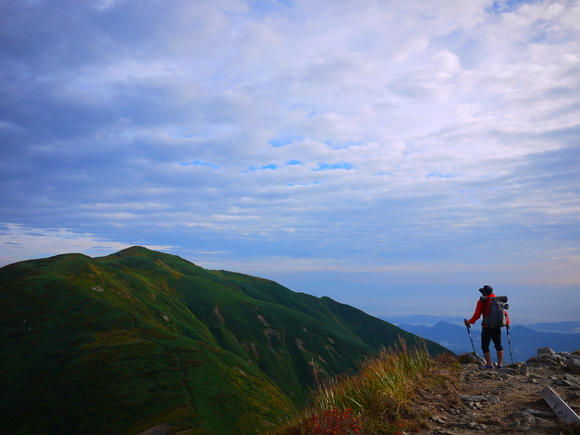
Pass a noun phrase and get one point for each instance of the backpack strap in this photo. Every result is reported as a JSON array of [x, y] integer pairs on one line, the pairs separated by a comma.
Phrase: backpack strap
[[487, 307]]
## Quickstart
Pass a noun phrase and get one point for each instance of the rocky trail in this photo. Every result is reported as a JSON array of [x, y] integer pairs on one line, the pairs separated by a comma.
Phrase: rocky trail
[[509, 400]]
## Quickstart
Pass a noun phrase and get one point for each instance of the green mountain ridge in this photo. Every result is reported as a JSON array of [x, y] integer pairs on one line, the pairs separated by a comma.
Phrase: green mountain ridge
[[122, 343]]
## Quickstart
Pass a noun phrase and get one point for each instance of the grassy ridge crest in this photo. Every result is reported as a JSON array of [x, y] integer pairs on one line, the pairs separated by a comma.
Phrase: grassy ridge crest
[[121, 343]]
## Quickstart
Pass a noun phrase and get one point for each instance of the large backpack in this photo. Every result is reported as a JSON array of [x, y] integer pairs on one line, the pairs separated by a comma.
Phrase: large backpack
[[495, 314]]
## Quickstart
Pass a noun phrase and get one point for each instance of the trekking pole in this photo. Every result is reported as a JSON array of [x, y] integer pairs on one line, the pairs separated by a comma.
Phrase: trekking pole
[[469, 332], [507, 328]]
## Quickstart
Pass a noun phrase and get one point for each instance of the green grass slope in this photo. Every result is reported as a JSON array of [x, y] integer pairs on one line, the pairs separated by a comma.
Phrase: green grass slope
[[119, 344]]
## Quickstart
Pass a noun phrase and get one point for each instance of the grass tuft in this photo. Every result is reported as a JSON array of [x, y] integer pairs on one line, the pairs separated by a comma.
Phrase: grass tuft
[[394, 390]]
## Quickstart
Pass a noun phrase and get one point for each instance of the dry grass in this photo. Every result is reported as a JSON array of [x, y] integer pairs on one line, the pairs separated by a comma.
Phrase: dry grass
[[394, 390]]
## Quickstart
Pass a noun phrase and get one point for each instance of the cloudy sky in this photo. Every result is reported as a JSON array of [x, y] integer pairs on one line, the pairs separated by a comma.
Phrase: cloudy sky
[[395, 156]]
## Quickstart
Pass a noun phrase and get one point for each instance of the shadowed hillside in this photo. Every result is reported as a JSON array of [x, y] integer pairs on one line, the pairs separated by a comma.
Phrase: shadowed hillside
[[122, 343]]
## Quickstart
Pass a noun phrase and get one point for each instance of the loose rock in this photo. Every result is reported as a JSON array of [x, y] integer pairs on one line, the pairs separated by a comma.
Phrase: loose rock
[[521, 409], [574, 365]]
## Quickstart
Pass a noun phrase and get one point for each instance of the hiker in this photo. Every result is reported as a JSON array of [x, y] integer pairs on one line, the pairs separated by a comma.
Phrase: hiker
[[487, 333]]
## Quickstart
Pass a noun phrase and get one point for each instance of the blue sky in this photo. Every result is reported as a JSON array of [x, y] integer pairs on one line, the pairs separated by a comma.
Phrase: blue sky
[[395, 156]]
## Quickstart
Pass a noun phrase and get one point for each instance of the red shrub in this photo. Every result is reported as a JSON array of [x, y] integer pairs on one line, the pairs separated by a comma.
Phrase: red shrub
[[333, 422]]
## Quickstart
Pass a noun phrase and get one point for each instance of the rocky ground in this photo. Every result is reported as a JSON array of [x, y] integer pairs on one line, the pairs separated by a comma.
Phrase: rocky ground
[[508, 400]]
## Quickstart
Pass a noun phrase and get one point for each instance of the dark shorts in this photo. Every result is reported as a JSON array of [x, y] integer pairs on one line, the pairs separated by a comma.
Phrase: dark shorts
[[488, 334]]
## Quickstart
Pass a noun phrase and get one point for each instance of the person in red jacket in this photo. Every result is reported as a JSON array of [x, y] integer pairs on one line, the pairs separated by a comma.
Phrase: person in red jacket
[[487, 334]]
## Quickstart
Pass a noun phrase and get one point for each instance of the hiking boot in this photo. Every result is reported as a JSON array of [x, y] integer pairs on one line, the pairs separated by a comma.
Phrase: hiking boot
[[499, 367], [488, 367]]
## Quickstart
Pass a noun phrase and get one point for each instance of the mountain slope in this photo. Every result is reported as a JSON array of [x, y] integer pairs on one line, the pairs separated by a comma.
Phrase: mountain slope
[[119, 344]]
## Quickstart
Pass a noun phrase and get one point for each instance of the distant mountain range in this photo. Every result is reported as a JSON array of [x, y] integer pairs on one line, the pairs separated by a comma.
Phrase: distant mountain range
[[123, 343], [525, 340], [416, 320], [561, 327]]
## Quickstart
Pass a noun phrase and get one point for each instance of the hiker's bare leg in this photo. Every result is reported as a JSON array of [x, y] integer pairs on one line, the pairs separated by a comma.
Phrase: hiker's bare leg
[[487, 356], [500, 357]]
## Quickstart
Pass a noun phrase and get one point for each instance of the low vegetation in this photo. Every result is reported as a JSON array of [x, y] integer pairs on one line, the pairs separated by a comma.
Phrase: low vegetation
[[123, 343], [394, 391]]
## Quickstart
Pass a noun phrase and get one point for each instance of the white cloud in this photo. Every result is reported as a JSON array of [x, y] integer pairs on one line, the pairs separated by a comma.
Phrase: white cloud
[[444, 130], [22, 243]]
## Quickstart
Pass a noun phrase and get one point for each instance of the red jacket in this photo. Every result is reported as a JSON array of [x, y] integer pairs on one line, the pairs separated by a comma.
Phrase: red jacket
[[481, 308]]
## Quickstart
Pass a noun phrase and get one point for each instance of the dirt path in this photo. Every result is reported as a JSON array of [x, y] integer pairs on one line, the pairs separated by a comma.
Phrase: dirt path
[[513, 403]]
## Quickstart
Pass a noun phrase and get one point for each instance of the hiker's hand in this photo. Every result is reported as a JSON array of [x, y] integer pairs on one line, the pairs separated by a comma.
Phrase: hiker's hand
[[466, 322]]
